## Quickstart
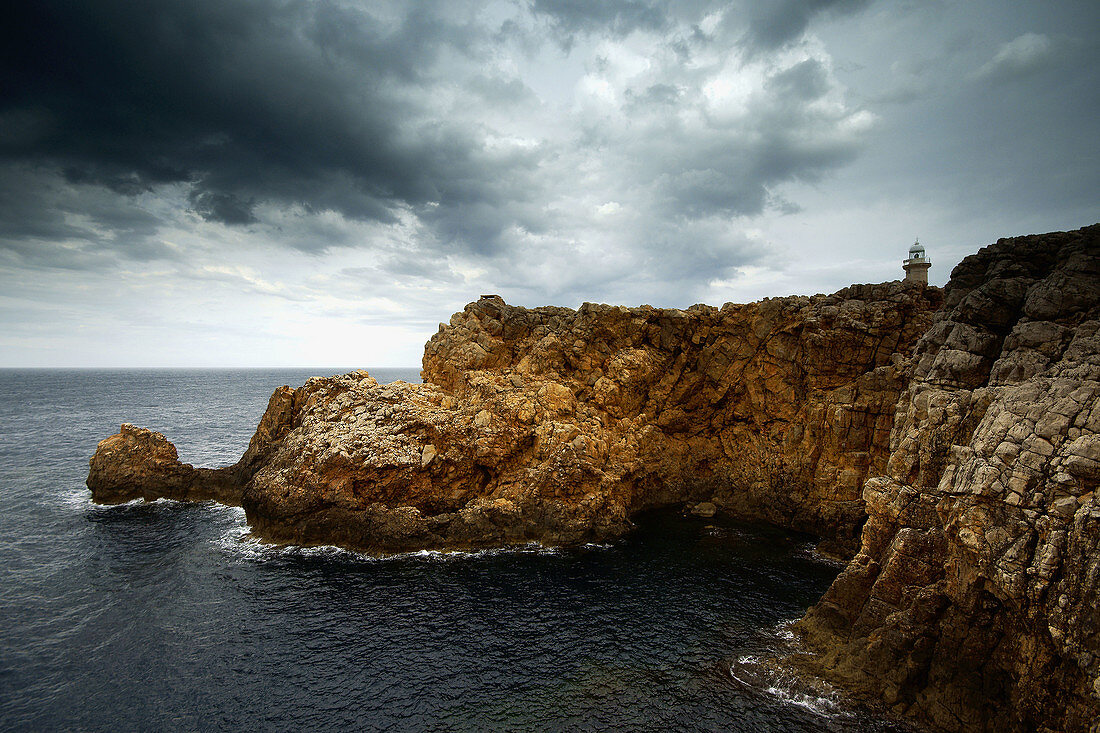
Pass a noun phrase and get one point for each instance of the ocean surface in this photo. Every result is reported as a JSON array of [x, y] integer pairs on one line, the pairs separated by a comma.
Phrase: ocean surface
[[168, 616]]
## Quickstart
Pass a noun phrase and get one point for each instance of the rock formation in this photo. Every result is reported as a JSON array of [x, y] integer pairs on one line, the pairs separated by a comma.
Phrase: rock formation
[[972, 603], [775, 410], [137, 463], [965, 439], [557, 425]]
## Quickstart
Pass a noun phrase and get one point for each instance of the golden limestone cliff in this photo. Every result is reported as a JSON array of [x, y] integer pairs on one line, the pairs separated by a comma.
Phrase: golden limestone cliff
[[555, 425], [953, 452]]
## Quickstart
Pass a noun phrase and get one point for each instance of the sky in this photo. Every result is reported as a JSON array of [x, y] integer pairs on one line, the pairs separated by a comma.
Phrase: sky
[[200, 183]]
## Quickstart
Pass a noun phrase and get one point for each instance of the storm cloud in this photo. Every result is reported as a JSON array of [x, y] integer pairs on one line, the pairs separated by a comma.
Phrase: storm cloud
[[337, 108], [304, 103], [392, 158]]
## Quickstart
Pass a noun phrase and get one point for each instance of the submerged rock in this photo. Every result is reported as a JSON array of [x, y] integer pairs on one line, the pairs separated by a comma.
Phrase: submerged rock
[[704, 509]]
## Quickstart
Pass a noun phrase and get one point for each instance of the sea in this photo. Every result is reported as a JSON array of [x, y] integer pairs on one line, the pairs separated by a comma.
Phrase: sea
[[170, 616]]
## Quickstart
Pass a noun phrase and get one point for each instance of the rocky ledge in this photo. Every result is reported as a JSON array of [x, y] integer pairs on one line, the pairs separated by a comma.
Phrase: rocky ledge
[[955, 449]]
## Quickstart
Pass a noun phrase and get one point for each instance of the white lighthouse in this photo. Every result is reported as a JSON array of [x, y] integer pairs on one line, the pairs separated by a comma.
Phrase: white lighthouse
[[916, 267]]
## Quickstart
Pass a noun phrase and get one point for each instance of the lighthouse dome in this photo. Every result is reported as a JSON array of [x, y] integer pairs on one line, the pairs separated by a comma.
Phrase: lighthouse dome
[[916, 251]]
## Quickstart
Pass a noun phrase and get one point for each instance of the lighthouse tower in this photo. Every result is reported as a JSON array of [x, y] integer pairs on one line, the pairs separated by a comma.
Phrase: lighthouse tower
[[916, 267]]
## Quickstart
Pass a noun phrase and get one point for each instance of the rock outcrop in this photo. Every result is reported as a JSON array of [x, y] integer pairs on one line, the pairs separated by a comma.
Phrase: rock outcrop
[[776, 410], [972, 603], [956, 449], [557, 425], [137, 463]]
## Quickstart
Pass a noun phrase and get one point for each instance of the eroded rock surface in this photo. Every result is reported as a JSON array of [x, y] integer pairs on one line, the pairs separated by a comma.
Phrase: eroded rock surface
[[557, 425], [137, 463], [776, 410], [973, 458], [972, 603]]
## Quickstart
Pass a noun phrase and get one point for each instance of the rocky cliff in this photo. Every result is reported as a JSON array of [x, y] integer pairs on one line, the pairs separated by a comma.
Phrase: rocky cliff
[[775, 410], [972, 603], [955, 449], [557, 425]]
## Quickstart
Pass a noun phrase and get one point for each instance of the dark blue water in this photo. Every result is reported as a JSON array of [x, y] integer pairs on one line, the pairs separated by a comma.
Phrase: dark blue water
[[167, 616]]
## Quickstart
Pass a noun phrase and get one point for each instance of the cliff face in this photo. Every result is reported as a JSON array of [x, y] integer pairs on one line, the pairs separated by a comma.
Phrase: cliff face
[[973, 600], [776, 410], [967, 440], [557, 425]]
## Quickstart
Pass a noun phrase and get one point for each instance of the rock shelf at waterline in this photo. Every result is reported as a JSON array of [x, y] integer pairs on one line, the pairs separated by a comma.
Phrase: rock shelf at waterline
[[960, 426]]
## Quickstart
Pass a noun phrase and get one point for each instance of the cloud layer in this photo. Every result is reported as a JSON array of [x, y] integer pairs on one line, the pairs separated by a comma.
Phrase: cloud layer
[[406, 155]]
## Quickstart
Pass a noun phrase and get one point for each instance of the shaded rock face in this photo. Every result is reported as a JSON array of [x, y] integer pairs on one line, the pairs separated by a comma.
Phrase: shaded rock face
[[972, 602], [557, 425]]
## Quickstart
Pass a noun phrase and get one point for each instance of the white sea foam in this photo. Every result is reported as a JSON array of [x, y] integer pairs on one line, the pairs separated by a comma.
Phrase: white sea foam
[[139, 502], [240, 542], [126, 505], [784, 630], [78, 497], [164, 501], [762, 669], [234, 511], [751, 673], [810, 551], [825, 706]]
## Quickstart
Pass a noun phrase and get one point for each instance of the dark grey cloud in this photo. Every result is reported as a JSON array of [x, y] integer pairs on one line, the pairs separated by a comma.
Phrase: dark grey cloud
[[804, 81], [243, 102], [617, 17], [227, 208], [997, 111], [376, 112], [654, 95], [759, 24], [305, 167], [773, 23], [48, 221], [499, 90], [787, 125], [1027, 55]]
